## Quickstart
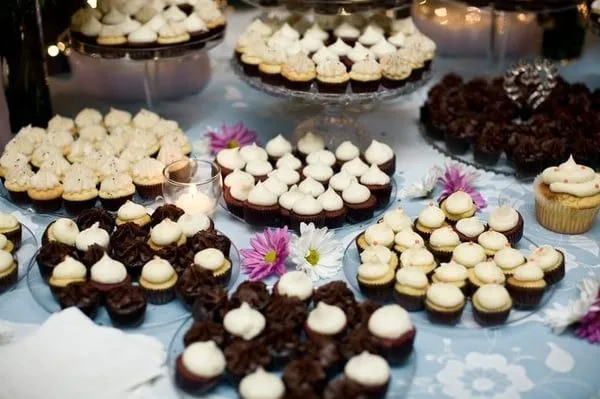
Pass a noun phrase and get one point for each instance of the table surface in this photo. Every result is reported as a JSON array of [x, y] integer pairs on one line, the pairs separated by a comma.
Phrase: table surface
[[524, 360]]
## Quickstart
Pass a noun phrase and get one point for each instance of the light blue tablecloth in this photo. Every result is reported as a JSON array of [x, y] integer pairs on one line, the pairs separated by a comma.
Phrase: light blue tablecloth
[[525, 360]]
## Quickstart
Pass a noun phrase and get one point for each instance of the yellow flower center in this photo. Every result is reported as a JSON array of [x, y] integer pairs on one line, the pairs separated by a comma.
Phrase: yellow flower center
[[270, 257], [312, 257], [233, 144]]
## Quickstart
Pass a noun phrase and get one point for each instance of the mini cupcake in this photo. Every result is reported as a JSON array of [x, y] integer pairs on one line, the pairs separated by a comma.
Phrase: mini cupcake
[[491, 304], [365, 76], [286, 175], [551, 261], [79, 193], [115, 191], [332, 77], [507, 221], [200, 367], [148, 178], [395, 71], [83, 296], [429, 219], [9, 270], [526, 286], [509, 259], [406, 239], [318, 171], [333, 208], [485, 273], [16, 184], [66, 272], [62, 230], [375, 280], [215, 261], [378, 183], [237, 177], [294, 284], [347, 32], [309, 143], [166, 233], [382, 155], [345, 152], [286, 202], [394, 331], [567, 198], [323, 55], [244, 322], [492, 242], [340, 48], [90, 236], [376, 234], [116, 117], [261, 206], [469, 229], [459, 205], [310, 186], [259, 169], [12, 159], [278, 147], [442, 243], [108, 274], [367, 375], [158, 280], [469, 254], [11, 228], [299, 72], [410, 288], [307, 210], [420, 258], [45, 191], [261, 384], [270, 66], [380, 254], [60, 123], [172, 33], [325, 322], [341, 180], [134, 213], [289, 161], [357, 54], [444, 303], [193, 224], [370, 36], [274, 185], [359, 201], [126, 306], [452, 273], [311, 45], [252, 57]]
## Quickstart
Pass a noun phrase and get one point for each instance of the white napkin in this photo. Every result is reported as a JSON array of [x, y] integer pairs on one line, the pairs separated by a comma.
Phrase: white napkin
[[71, 357]]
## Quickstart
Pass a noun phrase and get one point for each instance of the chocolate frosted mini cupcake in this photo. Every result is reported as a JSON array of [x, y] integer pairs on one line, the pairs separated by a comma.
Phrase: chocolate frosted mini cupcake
[[394, 331], [382, 155], [444, 303], [332, 77], [88, 217], [205, 331], [158, 280], [410, 289], [50, 255], [304, 374], [167, 211], [298, 72], [378, 183], [115, 190], [191, 282], [245, 357], [148, 177], [211, 304], [83, 296], [200, 367], [210, 239], [527, 286], [365, 76], [507, 221], [491, 304], [359, 202], [261, 206], [126, 306], [254, 293]]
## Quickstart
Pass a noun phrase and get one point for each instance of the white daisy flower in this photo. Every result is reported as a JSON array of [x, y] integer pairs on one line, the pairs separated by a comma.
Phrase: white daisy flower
[[562, 316], [315, 252]]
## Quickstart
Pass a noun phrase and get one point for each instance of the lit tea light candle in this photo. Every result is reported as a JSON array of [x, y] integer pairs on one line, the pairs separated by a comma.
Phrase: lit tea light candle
[[195, 202]]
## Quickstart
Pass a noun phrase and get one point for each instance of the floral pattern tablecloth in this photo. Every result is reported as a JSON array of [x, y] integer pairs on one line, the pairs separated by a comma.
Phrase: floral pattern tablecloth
[[524, 360]]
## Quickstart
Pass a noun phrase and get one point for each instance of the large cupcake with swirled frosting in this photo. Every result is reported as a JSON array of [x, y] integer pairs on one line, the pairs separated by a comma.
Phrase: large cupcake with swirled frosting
[[567, 197]]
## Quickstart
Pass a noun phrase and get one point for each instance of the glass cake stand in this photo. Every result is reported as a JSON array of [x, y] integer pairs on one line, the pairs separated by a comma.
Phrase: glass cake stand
[[330, 7], [333, 122]]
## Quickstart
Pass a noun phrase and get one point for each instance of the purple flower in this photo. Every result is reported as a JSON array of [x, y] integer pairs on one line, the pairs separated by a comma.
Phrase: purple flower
[[455, 179], [589, 325], [268, 254], [234, 136]]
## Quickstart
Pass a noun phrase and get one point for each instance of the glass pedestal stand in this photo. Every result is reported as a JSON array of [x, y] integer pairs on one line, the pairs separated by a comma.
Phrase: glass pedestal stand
[[334, 122]]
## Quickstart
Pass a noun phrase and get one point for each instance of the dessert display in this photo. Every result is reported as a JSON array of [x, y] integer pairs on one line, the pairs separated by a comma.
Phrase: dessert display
[[17, 244], [443, 269], [567, 197], [141, 25], [75, 164], [476, 116], [129, 266], [358, 53], [318, 338], [307, 184]]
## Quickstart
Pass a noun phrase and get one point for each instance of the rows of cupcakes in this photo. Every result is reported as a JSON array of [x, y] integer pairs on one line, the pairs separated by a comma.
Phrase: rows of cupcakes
[[439, 269], [131, 259], [365, 57], [323, 341], [315, 185], [77, 161], [11, 235], [145, 23]]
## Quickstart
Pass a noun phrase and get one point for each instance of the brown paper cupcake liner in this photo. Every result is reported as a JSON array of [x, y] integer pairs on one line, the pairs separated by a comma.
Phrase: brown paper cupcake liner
[[382, 193], [224, 278], [364, 86], [9, 281], [444, 316], [296, 220], [425, 235], [377, 292], [129, 319], [260, 215], [393, 83], [113, 204], [565, 220], [490, 318], [411, 303], [397, 351], [335, 219], [149, 192], [191, 383], [556, 274], [440, 255], [158, 296], [337, 88], [235, 206], [298, 85], [525, 297], [361, 212]]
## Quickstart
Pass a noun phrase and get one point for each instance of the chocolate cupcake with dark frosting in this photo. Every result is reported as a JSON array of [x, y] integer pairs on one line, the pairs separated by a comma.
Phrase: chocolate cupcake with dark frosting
[[489, 146], [287, 311], [169, 253], [335, 293], [205, 331], [134, 255], [254, 293], [326, 352], [359, 316], [50, 255], [88, 217], [211, 304], [126, 233], [459, 134], [126, 306], [357, 342], [244, 357], [93, 254], [185, 259], [191, 282], [83, 296], [304, 374], [167, 211], [209, 239], [282, 343]]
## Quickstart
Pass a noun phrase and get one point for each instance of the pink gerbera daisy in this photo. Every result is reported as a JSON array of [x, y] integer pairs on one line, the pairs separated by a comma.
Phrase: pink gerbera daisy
[[267, 255], [234, 136]]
